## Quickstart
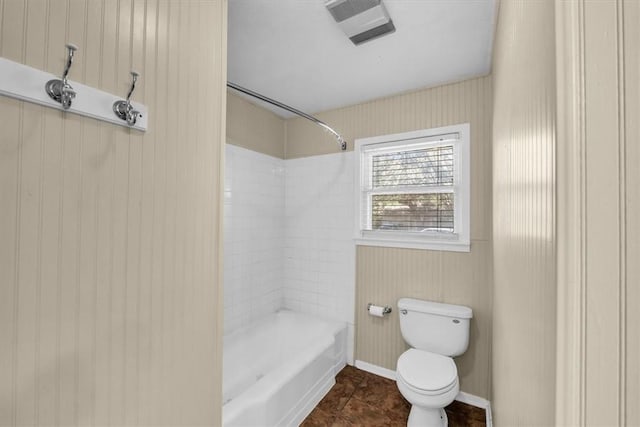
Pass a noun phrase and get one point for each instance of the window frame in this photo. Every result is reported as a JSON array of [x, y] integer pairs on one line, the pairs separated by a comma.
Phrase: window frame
[[460, 239]]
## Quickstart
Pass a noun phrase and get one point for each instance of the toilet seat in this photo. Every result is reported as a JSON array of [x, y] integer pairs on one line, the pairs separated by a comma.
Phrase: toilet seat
[[427, 373]]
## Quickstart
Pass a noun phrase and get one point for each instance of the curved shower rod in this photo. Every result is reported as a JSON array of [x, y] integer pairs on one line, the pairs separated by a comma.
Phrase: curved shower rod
[[341, 141]]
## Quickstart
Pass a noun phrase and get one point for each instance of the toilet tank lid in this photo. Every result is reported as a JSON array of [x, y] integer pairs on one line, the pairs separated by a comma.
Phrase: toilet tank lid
[[431, 307]]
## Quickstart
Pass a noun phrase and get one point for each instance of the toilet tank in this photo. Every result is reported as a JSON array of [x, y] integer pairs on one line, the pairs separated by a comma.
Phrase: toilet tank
[[435, 327]]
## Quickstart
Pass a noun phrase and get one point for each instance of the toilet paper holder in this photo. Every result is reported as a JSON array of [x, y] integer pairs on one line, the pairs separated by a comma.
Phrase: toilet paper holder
[[385, 310]]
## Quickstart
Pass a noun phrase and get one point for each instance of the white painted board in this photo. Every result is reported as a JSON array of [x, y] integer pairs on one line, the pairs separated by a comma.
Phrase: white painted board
[[25, 83]]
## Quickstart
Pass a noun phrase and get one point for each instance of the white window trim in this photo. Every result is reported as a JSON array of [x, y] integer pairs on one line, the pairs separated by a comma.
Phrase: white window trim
[[460, 241]]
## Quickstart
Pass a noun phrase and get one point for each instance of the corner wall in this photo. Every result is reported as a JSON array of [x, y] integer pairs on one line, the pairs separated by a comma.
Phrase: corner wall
[[110, 299], [383, 275], [253, 127], [524, 135]]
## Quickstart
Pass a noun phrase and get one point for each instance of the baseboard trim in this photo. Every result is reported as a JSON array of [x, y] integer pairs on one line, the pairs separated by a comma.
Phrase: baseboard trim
[[478, 402], [375, 369], [463, 397]]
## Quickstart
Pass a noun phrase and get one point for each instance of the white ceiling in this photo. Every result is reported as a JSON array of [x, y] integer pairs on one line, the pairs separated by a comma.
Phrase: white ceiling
[[294, 52]]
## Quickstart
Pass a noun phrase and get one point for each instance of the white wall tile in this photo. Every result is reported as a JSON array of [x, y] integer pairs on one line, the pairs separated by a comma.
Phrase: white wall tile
[[288, 237], [254, 236], [319, 264]]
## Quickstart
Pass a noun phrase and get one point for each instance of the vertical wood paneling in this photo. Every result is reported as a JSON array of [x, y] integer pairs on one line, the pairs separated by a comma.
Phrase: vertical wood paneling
[[217, 124], [108, 237], [383, 275], [386, 275], [524, 304], [40, 340], [28, 254], [599, 46], [631, 355], [158, 356], [87, 299], [12, 21], [603, 207], [170, 252], [255, 128], [133, 337], [49, 304], [148, 169]]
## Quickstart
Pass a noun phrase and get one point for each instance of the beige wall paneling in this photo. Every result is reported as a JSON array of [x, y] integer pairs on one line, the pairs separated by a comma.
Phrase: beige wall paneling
[[467, 101], [524, 305], [109, 238], [383, 275], [570, 167], [602, 204], [598, 277], [253, 127], [631, 199]]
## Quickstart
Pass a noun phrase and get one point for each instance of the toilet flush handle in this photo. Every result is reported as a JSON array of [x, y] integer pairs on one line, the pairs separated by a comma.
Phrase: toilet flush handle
[[403, 311]]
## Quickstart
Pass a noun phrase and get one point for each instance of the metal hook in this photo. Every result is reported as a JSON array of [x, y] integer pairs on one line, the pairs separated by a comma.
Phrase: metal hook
[[134, 79], [71, 49], [123, 108], [59, 89]]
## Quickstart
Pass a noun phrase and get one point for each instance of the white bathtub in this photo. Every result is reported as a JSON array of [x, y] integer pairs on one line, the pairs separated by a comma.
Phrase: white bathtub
[[277, 370]]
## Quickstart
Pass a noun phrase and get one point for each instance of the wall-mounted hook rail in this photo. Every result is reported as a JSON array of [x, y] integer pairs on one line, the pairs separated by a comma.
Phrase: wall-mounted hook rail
[[59, 89], [123, 108], [25, 83]]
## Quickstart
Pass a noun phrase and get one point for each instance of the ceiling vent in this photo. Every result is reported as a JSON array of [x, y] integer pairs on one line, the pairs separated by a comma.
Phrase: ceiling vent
[[361, 20]]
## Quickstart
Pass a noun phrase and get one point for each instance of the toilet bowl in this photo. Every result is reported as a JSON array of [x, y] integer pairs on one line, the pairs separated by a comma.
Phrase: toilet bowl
[[426, 374], [429, 382]]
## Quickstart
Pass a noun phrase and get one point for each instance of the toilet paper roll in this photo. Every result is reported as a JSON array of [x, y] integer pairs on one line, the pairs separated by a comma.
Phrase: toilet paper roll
[[376, 310]]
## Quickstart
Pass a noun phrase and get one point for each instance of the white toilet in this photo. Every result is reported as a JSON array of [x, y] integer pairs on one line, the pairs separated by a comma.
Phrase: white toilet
[[426, 374]]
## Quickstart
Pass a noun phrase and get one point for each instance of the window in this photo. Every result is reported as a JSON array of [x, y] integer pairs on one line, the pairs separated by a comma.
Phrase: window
[[413, 189]]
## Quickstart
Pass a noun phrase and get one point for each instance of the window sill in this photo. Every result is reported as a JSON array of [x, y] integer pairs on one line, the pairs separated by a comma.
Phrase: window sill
[[431, 245]]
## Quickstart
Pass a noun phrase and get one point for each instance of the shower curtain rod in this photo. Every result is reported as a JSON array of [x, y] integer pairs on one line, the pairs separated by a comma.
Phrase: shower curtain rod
[[341, 141]]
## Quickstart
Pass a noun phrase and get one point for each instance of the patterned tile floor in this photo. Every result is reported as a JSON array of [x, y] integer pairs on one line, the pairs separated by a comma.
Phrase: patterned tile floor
[[360, 398]]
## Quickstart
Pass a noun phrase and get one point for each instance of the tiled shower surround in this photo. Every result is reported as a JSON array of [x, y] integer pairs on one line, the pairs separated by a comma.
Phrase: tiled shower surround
[[253, 236], [288, 236], [319, 253]]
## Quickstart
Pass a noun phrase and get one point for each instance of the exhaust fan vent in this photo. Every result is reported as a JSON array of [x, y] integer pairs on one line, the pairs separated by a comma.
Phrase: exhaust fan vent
[[361, 20]]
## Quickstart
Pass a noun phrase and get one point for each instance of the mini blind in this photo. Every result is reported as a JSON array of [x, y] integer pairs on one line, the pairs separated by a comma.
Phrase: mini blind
[[414, 188], [426, 167], [410, 187]]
